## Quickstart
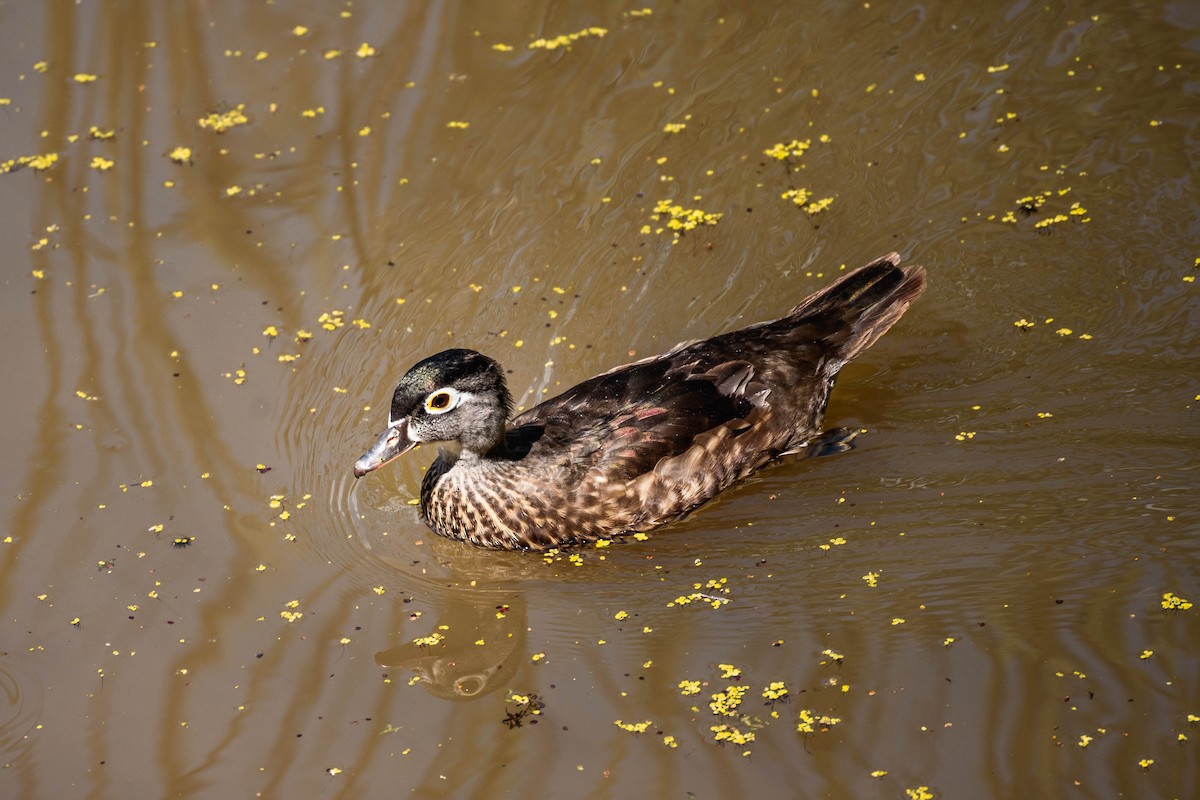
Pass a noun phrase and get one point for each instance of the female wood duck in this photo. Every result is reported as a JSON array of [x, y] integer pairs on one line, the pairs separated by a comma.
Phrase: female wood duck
[[643, 444]]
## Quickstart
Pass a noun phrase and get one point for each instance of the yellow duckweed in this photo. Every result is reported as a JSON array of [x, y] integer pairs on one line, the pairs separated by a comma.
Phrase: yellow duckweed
[[680, 220], [37, 163], [775, 692], [794, 148], [727, 733], [1172, 601], [221, 122], [566, 39], [810, 722], [725, 703]]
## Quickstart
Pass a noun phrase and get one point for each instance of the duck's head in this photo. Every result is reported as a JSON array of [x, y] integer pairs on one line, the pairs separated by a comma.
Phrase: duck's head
[[454, 396]]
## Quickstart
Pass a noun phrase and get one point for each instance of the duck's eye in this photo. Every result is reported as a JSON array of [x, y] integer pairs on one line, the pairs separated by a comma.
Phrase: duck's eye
[[441, 401]]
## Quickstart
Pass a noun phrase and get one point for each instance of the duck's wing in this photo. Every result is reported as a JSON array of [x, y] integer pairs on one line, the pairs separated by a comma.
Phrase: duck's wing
[[625, 422]]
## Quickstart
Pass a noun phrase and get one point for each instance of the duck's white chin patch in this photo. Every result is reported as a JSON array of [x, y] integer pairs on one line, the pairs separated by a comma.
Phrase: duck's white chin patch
[[409, 433]]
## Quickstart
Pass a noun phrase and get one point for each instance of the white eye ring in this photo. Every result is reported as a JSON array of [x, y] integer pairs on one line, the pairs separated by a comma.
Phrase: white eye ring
[[442, 400]]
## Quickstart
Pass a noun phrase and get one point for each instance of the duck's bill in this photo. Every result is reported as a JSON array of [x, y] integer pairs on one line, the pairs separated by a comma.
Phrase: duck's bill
[[391, 445]]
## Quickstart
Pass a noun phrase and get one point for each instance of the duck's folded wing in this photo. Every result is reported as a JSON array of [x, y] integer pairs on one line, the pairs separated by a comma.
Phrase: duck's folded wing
[[624, 423]]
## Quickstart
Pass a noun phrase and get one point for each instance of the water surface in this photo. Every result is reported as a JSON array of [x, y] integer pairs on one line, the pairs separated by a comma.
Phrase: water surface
[[203, 329]]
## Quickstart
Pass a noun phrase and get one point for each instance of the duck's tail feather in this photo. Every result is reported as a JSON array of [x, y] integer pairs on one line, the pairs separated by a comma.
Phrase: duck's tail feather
[[868, 300]]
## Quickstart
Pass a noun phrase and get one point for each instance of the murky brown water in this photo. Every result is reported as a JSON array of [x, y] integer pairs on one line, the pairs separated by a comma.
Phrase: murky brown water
[[975, 593]]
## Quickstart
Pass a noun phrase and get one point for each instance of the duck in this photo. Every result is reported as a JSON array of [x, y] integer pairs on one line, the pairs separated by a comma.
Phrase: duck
[[643, 444]]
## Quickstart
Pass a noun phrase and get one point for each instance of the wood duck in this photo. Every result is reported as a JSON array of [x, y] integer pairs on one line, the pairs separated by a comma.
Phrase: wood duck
[[643, 444]]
